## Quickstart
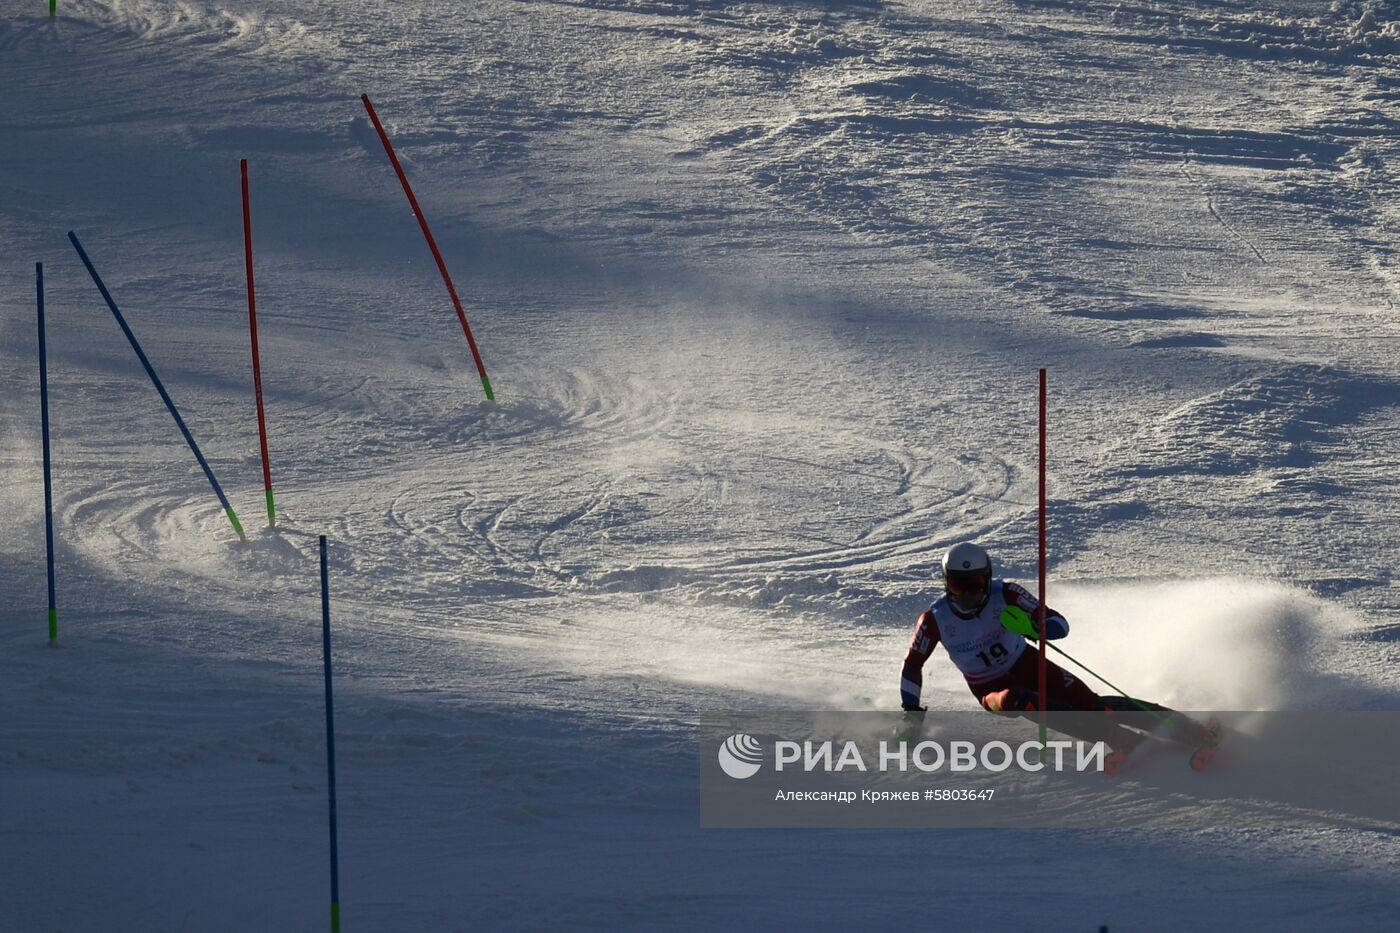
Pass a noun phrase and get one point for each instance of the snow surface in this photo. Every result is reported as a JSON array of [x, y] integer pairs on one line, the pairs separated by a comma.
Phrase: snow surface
[[762, 288]]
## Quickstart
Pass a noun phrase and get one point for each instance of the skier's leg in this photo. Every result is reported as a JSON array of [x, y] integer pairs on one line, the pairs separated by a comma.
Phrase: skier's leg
[[1068, 692], [1017, 693], [1173, 726], [1009, 700], [1129, 705], [1018, 690]]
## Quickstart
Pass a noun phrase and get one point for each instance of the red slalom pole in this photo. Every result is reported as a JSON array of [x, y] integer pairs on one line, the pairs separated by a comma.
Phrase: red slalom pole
[[1040, 612], [253, 335], [432, 245]]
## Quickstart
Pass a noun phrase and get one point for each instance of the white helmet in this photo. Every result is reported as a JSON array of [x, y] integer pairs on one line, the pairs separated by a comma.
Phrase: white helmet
[[967, 576]]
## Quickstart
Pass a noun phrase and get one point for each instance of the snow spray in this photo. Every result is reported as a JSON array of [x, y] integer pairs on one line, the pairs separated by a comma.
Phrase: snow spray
[[155, 380], [330, 737], [48, 473], [1221, 643], [432, 245], [253, 336]]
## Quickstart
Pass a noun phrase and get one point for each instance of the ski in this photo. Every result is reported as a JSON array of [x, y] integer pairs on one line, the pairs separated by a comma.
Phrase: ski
[[1203, 753]]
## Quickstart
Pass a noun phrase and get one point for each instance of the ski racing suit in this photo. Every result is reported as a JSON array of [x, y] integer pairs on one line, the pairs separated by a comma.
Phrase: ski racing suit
[[1001, 673], [1004, 675]]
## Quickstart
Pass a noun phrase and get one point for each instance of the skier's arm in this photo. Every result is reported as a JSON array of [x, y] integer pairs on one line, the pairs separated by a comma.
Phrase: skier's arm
[[1055, 624], [911, 680]]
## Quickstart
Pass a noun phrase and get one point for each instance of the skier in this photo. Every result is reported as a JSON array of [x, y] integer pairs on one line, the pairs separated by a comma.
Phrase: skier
[[1001, 673]]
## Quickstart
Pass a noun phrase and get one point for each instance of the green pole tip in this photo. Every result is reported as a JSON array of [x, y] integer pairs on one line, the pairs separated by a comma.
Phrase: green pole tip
[[335, 917], [53, 627], [486, 384], [233, 520], [271, 511]]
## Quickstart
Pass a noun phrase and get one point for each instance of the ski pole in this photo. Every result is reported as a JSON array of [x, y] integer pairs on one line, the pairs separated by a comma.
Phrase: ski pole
[[1138, 703], [1019, 621]]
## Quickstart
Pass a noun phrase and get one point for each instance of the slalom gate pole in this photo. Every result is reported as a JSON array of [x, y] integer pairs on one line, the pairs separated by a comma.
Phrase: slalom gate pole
[[48, 471], [253, 336], [432, 245], [53, 8], [1040, 611], [155, 380], [330, 737]]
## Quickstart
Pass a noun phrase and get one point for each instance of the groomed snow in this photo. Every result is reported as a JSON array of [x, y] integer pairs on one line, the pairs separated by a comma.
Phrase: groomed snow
[[762, 288]]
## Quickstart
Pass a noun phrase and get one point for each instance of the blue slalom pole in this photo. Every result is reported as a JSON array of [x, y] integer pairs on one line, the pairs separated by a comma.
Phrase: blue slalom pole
[[165, 396], [48, 467], [330, 737]]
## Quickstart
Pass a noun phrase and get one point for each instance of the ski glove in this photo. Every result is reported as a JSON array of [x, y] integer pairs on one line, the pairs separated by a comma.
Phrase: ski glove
[[1019, 621]]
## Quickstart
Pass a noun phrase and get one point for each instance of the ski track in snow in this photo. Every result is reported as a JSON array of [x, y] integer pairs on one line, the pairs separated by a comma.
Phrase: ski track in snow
[[762, 288]]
